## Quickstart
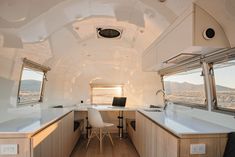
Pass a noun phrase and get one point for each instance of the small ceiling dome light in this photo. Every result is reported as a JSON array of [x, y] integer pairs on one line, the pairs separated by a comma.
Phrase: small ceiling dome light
[[108, 33], [209, 33], [162, 0]]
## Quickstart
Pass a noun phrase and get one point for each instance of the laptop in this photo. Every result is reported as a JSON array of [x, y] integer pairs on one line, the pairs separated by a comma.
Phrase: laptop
[[119, 101]]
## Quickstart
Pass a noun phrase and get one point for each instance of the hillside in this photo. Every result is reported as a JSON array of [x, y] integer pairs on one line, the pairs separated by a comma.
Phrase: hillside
[[30, 85], [178, 87]]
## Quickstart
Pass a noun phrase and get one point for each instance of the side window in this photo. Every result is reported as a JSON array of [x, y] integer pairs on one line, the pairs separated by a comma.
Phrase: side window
[[186, 88], [224, 80], [103, 94], [31, 84]]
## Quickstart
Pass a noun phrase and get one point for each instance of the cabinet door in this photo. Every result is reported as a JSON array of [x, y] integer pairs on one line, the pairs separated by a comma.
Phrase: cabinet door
[[154, 141], [166, 143], [67, 134], [46, 143], [56, 140], [144, 134], [148, 138], [140, 134]]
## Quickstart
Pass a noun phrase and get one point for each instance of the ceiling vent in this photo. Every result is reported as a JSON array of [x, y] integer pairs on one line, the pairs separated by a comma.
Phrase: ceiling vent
[[109, 32]]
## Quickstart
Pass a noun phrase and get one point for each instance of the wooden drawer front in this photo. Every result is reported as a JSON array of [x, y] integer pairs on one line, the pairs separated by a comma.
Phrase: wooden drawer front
[[214, 147], [23, 146]]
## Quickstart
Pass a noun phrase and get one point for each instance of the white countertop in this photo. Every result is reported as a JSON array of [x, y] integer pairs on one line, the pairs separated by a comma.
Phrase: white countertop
[[105, 108], [27, 123], [181, 124], [30, 123]]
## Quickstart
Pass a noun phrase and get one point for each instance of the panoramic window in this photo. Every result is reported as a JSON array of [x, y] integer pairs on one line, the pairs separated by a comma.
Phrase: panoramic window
[[31, 82], [103, 94], [185, 88], [224, 77]]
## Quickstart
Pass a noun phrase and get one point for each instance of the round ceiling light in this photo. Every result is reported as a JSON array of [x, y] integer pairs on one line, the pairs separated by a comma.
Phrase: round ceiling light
[[108, 33]]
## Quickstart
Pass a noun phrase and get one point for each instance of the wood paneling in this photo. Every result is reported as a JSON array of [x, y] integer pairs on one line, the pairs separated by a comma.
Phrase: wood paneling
[[23, 146], [153, 141], [67, 134], [47, 143], [57, 140], [214, 146]]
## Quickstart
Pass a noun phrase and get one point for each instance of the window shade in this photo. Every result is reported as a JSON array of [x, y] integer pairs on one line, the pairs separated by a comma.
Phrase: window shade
[[103, 94]]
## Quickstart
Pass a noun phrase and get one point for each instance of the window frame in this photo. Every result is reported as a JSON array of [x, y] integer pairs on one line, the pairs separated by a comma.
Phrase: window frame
[[214, 104], [207, 61], [104, 86], [36, 67], [192, 105]]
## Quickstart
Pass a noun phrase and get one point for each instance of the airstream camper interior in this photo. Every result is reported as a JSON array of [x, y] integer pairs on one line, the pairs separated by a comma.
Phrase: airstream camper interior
[[117, 78]]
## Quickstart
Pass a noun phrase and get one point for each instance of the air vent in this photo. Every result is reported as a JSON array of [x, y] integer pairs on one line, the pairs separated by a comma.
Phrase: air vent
[[109, 33]]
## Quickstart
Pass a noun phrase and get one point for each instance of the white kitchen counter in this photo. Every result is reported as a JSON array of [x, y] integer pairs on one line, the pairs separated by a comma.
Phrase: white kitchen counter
[[183, 125], [22, 124], [29, 121], [26, 124]]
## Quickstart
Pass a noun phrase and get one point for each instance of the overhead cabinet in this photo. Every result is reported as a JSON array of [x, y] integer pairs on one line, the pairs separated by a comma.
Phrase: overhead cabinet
[[194, 32]]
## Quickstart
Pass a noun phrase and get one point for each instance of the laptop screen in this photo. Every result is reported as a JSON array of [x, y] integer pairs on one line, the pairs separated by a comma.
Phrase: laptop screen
[[119, 101]]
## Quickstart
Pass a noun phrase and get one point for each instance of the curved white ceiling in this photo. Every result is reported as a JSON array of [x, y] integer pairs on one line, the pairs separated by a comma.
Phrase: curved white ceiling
[[68, 27], [35, 20]]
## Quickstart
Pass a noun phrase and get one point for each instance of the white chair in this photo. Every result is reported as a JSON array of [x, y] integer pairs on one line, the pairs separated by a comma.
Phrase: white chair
[[96, 122]]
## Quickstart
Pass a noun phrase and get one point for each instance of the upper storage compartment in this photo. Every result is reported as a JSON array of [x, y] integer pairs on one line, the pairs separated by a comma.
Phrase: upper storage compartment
[[194, 32]]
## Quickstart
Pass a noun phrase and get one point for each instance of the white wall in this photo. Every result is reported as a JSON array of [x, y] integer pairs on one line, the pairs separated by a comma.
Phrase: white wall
[[69, 83]]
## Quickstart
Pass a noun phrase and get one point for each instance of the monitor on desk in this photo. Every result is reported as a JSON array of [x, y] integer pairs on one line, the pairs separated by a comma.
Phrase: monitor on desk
[[119, 101]]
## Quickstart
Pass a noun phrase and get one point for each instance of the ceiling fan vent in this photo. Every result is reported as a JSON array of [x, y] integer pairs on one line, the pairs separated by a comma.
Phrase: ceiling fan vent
[[109, 33]]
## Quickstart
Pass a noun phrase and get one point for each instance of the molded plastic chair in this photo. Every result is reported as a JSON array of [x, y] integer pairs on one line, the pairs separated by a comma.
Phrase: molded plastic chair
[[96, 122]]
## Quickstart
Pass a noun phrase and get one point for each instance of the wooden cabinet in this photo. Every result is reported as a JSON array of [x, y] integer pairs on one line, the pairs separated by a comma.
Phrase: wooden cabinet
[[22, 143], [56, 140], [152, 140], [185, 35], [67, 135]]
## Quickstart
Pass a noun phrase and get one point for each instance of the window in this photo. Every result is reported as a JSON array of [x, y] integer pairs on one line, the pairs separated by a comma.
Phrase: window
[[103, 94], [185, 88], [224, 79], [31, 83]]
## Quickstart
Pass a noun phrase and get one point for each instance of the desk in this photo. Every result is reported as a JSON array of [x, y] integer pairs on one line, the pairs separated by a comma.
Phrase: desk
[[109, 108]]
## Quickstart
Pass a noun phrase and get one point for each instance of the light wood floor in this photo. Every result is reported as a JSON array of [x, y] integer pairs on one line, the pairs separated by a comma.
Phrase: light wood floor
[[122, 148]]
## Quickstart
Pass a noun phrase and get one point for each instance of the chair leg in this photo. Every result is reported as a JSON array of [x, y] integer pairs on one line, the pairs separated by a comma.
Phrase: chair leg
[[89, 139], [101, 140], [110, 137]]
